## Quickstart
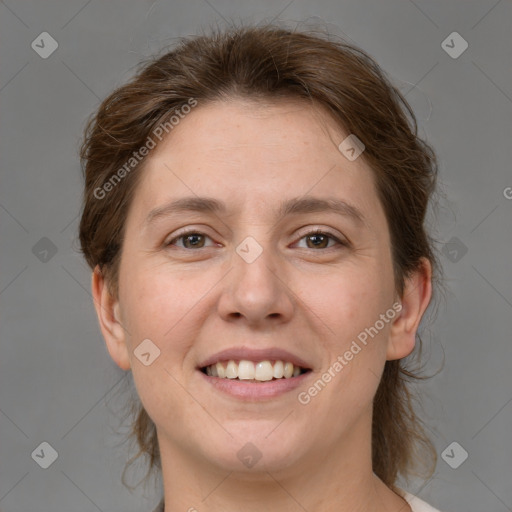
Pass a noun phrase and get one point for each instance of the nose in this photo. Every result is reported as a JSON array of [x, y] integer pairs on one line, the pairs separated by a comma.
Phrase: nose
[[256, 292]]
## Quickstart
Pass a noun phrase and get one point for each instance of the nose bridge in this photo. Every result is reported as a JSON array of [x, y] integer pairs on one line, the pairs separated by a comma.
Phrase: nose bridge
[[254, 259], [255, 289]]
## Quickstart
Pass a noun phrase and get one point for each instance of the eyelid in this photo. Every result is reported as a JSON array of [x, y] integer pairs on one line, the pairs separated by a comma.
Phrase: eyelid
[[184, 232], [324, 231], [340, 239]]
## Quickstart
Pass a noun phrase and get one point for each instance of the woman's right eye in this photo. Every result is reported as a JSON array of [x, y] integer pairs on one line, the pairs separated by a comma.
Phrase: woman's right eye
[[191, 239]]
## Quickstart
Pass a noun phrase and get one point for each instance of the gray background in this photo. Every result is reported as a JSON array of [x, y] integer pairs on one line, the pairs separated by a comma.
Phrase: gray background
[[57, 382]]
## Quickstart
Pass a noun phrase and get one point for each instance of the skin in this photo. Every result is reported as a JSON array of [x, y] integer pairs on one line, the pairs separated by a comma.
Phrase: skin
[[192, 302]]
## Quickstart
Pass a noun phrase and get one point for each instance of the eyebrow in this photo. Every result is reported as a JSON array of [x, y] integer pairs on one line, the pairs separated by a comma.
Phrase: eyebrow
[[294, 206]]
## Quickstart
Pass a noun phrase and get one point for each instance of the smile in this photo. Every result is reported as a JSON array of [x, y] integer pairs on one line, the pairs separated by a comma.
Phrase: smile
[[261, 371], [253, 375]]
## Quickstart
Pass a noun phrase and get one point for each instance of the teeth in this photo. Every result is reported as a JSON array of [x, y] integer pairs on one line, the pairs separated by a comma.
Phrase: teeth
[[221, 372], [231, 370], [264, 371], [288, 370], [278, 370], [247, 370]]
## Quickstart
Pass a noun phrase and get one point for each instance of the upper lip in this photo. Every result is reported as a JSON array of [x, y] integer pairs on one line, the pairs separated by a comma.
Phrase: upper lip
[[255, 355]]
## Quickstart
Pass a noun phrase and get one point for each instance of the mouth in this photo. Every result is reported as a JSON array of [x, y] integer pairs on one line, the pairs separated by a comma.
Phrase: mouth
[[254, 375], [254, 371]]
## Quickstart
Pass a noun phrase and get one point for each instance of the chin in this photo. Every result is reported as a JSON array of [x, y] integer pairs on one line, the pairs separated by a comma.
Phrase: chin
[[250, 453]]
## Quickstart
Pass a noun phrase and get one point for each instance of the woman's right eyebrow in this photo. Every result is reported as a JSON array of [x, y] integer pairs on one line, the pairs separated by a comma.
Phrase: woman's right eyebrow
[[293, 206], [186, 204]]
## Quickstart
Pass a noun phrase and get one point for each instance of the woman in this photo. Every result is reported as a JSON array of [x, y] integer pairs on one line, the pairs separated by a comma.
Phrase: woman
[[254, 218]]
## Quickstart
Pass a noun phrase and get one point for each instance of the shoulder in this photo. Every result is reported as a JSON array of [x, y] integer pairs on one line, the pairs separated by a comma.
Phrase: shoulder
[[417, 504]]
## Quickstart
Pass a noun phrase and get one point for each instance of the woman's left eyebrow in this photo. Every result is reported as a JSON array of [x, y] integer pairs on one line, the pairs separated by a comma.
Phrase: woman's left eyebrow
[[293, 206]]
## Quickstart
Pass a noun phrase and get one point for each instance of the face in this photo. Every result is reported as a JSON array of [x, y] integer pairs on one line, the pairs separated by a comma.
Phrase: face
[[255, 283]]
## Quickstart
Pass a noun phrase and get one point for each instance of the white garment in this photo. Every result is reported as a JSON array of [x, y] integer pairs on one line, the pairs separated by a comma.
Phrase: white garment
[[416, 503]]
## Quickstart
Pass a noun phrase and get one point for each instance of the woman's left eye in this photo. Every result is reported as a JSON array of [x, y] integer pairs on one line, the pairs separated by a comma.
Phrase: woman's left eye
[[196, 240], [319, 239]]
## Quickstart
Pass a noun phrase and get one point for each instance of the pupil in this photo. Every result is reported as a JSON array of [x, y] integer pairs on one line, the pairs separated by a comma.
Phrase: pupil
[[189, 237], [316, 237]]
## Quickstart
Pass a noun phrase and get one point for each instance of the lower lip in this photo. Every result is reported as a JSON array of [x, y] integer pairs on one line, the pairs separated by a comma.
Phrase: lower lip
[[255, 390]]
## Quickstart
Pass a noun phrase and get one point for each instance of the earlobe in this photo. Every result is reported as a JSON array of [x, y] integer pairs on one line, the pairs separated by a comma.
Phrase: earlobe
[[109, 318], [415, 300]]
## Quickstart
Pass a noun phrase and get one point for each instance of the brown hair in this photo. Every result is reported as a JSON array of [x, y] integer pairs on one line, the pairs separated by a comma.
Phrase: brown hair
[[272, 63]]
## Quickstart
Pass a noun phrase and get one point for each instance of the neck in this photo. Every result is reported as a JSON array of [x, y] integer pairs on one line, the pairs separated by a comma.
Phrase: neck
[[337, 479]]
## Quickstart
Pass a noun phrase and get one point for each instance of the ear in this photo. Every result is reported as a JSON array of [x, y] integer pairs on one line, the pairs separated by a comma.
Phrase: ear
[[415, 300], [108, 311]]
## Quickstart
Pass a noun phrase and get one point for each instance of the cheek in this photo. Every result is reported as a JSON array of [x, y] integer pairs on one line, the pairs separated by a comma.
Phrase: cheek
[[357, 337], [156, 296], [161, 306], [352, 301]]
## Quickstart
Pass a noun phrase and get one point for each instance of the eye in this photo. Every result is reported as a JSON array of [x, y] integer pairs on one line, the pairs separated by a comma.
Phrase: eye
[[191, 240], [316, 239], [319, 239]]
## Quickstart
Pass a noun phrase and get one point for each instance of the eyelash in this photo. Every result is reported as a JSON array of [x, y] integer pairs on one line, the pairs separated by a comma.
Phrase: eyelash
[[310, 233]]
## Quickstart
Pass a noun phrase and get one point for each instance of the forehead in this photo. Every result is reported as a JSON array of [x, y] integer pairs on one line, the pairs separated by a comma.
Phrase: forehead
[[244, 152], [247, 124]]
